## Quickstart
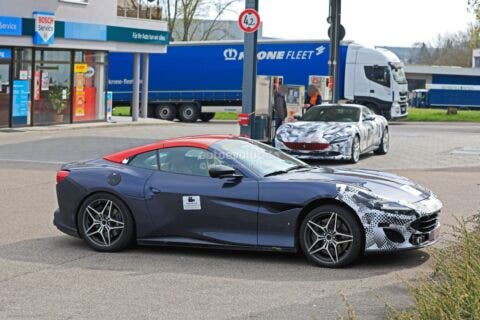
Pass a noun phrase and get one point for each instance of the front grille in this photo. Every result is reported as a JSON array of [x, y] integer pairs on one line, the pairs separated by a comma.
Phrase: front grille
[[426, 224], [306, 146]]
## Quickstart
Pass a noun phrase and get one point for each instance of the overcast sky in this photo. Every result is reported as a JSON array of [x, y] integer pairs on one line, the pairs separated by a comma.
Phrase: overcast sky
[[369, 22]]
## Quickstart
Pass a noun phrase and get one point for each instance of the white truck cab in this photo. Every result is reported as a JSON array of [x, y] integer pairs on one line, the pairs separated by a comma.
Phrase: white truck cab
[[376, 78]]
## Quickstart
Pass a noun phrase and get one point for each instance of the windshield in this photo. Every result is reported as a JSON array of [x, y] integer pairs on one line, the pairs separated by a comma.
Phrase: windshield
[[332, 114], [262, 159], [399, 75]]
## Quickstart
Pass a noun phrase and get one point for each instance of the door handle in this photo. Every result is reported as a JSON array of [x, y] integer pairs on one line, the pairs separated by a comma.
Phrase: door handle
[[155, 190], [372, 91]]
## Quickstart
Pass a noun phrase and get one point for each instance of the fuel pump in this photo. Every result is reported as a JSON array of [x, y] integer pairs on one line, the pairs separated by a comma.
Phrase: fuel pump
[[261, 120], [295, 101]]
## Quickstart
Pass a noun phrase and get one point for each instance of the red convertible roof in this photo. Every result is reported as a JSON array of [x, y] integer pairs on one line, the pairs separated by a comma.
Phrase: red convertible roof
[[202, 141]]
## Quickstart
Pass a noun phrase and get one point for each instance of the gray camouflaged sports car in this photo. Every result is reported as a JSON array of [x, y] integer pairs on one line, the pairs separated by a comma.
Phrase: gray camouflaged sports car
[[334, 132]]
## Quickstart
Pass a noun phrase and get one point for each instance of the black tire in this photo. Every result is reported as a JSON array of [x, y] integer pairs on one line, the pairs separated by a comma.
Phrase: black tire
[[189, 113], [355, 153], [105, 223], [322, 252], [207, 116], [384, 144], [166, 112]]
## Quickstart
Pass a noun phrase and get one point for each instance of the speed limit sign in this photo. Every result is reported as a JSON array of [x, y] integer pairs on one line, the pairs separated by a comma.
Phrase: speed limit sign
[[249, 20]]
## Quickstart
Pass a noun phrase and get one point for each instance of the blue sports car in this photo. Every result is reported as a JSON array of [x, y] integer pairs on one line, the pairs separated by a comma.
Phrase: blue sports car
[[232, 192]]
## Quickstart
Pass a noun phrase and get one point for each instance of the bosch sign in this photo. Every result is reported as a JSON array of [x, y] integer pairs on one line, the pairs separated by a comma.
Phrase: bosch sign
[[44, 28]]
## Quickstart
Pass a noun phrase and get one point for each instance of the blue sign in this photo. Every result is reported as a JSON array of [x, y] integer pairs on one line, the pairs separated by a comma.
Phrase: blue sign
[[10, 26], [5, 53], [44, 28], [85, 31], [21, 98]]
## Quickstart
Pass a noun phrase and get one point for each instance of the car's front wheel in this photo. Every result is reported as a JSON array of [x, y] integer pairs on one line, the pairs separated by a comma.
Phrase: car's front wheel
[[105, 223], [384, 144], [330, 236], [355, 152]]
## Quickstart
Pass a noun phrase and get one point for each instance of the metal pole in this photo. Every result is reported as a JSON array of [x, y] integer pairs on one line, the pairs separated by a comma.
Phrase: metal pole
[[249, 73], [145, 75], [335, 25], [338, 10], [135, 85]]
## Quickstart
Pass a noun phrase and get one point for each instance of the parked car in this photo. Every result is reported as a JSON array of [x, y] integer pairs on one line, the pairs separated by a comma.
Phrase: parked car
[[231, 192], [335, 132]]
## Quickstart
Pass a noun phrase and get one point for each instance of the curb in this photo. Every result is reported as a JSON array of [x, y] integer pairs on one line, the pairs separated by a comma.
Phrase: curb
[[82, 126]]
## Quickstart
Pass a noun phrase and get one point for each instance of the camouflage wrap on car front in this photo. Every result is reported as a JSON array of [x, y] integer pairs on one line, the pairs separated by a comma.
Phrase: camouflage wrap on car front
[[376, 221], [338, 134]]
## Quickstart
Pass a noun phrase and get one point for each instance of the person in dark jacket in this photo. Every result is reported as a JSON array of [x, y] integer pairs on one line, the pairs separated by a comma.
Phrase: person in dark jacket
[[279, 106], [313, 97]]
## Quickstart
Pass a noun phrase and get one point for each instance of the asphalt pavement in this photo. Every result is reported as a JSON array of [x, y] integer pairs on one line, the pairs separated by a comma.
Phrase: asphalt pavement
[[47, 275]]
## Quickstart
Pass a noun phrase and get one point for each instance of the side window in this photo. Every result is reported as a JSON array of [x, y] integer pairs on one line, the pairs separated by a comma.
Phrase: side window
[[366, 112], [380, 75], [187, 160], [147, 160]]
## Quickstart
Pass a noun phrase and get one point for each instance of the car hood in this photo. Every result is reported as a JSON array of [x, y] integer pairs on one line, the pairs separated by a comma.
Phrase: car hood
[[381, 184], [311, 131]]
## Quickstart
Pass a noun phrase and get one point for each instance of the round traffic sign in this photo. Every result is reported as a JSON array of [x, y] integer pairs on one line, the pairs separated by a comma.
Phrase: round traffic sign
[[249, 20]]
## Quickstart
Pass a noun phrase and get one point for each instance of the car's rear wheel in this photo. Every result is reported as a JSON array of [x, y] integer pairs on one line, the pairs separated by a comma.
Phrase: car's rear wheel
[[355, 152], [330, 236], [385, 143], [105, 223]]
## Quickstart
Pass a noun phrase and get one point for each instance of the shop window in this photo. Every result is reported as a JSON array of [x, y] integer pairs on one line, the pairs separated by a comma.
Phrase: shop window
[[52, 85], [89, 86]]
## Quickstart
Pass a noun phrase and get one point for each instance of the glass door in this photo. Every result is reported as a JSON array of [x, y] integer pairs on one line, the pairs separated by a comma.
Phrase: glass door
[[4, 93]]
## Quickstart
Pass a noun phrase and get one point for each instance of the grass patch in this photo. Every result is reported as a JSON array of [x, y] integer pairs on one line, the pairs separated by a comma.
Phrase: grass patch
[[453, 291], [440, 115], [121, 111], [226, 116]]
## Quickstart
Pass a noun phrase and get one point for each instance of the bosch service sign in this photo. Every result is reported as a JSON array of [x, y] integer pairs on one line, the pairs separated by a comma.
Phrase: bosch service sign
[[44, 28]]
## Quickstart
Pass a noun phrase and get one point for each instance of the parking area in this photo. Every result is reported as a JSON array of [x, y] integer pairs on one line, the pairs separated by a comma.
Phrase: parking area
[[45, 274]]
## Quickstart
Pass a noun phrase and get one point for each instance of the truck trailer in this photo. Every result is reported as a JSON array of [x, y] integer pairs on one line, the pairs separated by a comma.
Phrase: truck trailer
[[193, 80], [447, 95]]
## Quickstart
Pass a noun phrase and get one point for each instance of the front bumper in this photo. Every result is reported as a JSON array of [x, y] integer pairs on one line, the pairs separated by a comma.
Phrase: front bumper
[[385, 231], [337, 151]]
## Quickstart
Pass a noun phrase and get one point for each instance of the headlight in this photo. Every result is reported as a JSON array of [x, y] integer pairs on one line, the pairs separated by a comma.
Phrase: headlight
[[340, 139], [394, 207]]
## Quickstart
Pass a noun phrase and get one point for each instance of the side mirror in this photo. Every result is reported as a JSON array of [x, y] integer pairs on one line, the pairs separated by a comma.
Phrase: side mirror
[[370, 118], [223, 172], [297, 117]]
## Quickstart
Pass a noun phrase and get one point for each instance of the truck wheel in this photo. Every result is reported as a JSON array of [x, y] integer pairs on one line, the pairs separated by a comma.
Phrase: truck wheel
[[189, 113], [166, 112], [207, 116]]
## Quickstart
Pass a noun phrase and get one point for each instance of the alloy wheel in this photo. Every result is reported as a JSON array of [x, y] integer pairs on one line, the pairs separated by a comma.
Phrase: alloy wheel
[[356, 150], [103, 222], [386, 141], [328, 237]]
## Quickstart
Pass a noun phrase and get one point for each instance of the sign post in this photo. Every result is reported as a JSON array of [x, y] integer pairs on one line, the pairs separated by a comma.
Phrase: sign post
[[336, 32], [249, 22]]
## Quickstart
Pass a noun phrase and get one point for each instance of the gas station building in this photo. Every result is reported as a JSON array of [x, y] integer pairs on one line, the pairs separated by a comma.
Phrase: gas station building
[[54, 57]]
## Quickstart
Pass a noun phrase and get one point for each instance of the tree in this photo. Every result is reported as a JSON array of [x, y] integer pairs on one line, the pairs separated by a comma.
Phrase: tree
[[448, 50], [195, 18]]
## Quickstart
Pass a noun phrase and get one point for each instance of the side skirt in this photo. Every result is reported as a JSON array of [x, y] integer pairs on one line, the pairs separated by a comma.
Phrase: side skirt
[[193, 243]]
